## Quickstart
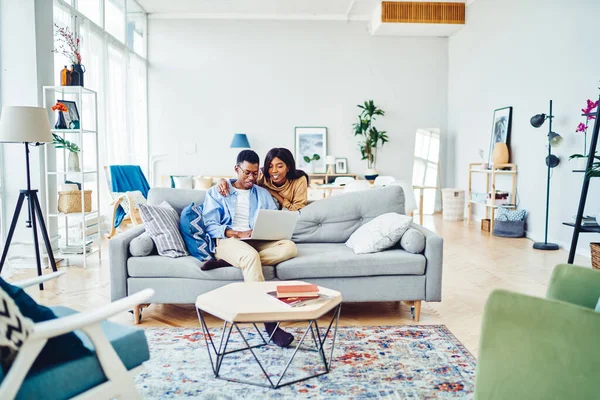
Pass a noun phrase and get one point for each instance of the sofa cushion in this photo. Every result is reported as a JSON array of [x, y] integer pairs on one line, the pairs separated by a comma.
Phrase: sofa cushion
[[334, 219], [326, 260], [162, 224], [185, 267], [69, 379], [380, 233], [14, 330], [413, 241], [141, 246], [192, 229]]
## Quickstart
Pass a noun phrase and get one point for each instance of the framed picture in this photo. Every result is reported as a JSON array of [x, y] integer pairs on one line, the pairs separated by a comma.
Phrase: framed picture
[[341, 165], [71, 116], [308, 142], [500, 129]]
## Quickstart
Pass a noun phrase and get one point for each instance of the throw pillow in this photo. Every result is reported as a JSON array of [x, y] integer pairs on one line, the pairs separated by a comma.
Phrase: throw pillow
[[413, 241], [141, 246], [59, 349], [379, 234], [182, 182], [198, 243], [505, 214], [162, 224], [14, 329]]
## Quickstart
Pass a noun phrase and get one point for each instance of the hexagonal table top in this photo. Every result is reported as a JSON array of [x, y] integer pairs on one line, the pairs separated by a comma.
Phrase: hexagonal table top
[[249, 302]]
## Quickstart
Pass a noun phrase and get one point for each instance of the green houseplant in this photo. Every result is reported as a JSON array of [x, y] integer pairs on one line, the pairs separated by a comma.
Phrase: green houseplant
[[370, 137], [73, 161], [311, 167]]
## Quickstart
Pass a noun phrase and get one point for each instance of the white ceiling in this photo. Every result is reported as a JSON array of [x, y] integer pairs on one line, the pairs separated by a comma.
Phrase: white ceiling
[[265, 9]]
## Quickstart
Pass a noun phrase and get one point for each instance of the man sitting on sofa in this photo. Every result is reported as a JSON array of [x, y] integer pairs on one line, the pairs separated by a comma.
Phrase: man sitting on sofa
[[229, 219]]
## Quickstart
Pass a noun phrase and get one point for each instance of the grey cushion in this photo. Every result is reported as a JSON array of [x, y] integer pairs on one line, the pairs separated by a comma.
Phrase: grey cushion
[[185, 267], [141, 246], [316, 260], [334, 219], [177, 198], [162, 224], [413, 241]]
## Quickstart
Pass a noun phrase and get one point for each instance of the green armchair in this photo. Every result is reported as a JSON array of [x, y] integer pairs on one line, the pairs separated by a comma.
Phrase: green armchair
[[535, 348]]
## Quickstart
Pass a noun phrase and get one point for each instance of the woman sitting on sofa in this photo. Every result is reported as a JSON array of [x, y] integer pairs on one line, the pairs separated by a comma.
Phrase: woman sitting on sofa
[[279, 176]]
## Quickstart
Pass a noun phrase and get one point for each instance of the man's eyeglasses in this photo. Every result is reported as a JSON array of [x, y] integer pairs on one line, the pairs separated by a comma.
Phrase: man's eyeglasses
[[247, 173]]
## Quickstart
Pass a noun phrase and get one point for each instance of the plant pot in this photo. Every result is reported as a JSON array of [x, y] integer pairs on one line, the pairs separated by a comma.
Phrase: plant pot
[[73, 162], [60, 121], [579, 164], [371, 174]]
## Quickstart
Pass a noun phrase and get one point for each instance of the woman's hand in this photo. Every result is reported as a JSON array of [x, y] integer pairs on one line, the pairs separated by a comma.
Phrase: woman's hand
[[223, 187]]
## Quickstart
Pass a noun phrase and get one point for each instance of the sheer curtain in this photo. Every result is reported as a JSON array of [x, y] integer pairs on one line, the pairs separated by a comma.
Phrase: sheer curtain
[[138, 112]]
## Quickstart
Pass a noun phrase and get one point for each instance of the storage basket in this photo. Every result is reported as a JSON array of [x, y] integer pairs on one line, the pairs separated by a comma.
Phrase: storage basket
[[70, 201], [595, 247], [453, 201]]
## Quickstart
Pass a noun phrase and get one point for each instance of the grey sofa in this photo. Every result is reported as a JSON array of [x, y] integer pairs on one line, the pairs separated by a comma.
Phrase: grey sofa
[[323, 258]]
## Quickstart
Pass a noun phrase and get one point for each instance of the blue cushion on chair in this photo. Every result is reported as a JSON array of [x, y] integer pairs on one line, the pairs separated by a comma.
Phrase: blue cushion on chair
[[69, 379], [58, 349], [191, 226]]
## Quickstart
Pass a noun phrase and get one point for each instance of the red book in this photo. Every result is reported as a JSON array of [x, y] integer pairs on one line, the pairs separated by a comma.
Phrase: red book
[[306, 287]]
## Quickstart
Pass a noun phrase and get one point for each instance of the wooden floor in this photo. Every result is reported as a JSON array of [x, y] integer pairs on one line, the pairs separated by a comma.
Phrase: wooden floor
[[475, 263]]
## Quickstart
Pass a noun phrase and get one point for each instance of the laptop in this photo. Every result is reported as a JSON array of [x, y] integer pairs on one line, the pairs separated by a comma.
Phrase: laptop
[[274, 225]]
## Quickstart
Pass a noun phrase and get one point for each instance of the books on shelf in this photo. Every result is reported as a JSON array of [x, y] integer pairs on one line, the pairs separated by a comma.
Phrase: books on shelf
[[297, 291], [77, 248], [586, 220]]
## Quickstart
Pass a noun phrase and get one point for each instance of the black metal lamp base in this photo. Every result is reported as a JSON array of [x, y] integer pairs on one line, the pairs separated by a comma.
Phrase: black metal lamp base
[[545, 246]]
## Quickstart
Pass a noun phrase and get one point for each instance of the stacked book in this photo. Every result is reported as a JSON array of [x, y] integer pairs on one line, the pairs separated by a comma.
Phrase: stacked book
[[295, 295]]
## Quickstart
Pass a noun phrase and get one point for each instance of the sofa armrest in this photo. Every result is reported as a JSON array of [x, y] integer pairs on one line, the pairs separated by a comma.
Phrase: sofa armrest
[[118, 249], [434, 253], [535, 348], [575, 285]]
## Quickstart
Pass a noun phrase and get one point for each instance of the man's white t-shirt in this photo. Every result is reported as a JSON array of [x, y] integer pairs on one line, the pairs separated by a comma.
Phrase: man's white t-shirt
[[241, 220]]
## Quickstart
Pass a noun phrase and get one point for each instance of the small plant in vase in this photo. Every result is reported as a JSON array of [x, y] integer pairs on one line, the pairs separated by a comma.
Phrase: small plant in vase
[[370, 138], [310, 168], [60, 121], [68, 44], [73, 161]]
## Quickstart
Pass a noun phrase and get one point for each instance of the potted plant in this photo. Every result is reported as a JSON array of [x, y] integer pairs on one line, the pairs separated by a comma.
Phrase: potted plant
[[73, 161], [581, 159], [370, 138], [68, 44], [310, 168]]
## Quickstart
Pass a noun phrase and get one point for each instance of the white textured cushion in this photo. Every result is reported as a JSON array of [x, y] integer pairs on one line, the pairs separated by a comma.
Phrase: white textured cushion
[[413, 241], [14, 329], [183, 182], [380, 233], [162, 224]]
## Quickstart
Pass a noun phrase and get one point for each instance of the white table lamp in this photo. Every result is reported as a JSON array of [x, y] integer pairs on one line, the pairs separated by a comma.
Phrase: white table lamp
[[330, 162], [28, 125]]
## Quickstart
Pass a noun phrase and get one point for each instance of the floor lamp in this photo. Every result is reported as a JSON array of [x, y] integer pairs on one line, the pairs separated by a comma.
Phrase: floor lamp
[[554, 139], [30, 126]]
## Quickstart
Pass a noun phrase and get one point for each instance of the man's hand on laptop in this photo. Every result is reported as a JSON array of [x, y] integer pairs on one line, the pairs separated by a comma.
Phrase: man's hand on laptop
[[230, 233]]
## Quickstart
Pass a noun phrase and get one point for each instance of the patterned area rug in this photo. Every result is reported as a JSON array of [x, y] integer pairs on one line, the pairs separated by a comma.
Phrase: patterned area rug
[[393, 362]]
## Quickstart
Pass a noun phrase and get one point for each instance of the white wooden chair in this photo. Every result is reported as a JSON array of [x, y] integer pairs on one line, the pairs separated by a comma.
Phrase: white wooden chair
[[119, 381]]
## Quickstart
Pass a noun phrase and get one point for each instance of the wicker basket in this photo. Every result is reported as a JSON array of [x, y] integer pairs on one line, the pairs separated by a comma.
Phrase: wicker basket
[[595, 247], [70, 201]]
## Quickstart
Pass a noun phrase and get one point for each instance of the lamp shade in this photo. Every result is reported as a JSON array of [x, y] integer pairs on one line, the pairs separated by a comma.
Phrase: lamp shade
[[330, 160], [537, 120], [555, 139], [240, 141], [24, 125]]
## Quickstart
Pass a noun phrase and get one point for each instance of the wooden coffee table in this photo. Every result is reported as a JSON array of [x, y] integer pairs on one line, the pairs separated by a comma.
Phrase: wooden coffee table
[[248, 302]]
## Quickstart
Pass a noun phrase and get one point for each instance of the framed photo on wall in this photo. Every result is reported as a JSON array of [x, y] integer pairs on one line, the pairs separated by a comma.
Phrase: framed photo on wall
[[308, 142], [71, 116], [341, 165], [501, 126]]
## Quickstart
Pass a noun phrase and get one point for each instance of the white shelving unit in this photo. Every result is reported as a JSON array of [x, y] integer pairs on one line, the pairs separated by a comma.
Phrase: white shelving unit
[[86, 240]]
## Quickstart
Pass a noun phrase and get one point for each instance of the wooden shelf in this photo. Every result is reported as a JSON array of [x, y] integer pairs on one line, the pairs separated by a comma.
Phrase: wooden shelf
[[595, 228]]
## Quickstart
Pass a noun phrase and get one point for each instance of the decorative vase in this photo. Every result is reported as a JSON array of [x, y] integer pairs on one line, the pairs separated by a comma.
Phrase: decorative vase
[[73, 162], [310, 168], [60, 121], [500, 154], [79, 69], [371, 174]]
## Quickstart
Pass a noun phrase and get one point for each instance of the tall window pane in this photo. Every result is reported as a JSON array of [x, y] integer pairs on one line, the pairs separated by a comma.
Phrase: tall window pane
[[114, 18], [91, 9], [138, 112], [136, 28], [117, 140]]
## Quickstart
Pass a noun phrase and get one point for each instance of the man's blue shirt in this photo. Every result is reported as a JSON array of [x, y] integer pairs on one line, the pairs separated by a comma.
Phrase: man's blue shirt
[[219, 211]]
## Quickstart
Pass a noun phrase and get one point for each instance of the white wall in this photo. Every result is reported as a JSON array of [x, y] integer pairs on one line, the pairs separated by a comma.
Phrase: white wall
[[210, 79], [522, 54]]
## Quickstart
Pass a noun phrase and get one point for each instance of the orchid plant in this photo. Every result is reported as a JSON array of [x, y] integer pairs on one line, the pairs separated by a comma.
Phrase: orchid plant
[[590, 107]]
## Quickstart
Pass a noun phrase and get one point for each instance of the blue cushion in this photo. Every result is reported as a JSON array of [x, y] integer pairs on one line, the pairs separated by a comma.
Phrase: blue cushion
[[191, 226], [58, 349], [69, 379]]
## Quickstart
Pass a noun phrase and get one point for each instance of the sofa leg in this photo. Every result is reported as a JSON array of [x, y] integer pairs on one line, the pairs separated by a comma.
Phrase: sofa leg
[[416, 310], [137, 312]]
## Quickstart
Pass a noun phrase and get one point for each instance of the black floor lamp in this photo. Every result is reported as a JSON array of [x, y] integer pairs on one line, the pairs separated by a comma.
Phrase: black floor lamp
[[30, 126], [554, 139]]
